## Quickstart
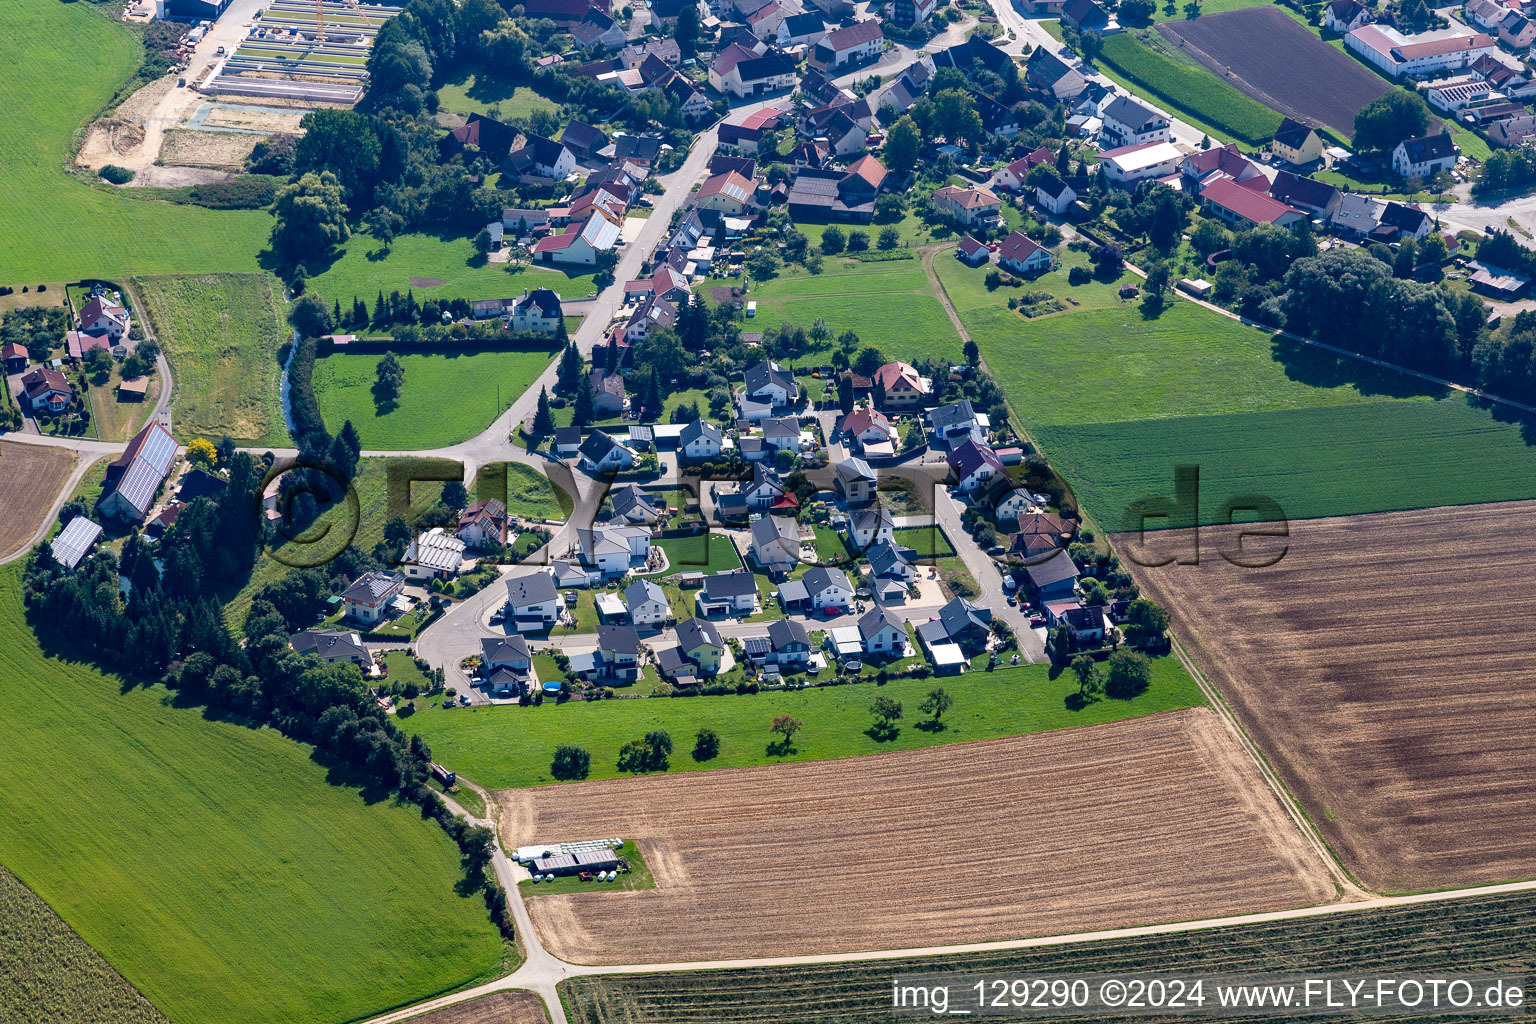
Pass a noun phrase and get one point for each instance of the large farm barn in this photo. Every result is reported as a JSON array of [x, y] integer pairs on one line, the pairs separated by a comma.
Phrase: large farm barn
[[1265, 54], [1159, 819], [1384, 666]]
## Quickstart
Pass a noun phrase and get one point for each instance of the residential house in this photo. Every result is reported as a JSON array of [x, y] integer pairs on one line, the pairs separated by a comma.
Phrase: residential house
[[865, 177], [435, 554], [881, 631], [889, 563], [734, 138], [997, 118], [973, 465], [535, 157], [973, 206], [743, 73], [868, 526], [829, 590], [580, 243], [959, 622], [13, 357], [1220, 163], [506, 666], [641, 150], [817, 194], [913, 12], [1128, 123], [1054, 195], [1297, 144], [525, 223], [1517, 32], [486, 134], [1085, 15], [1344, 16], [771, 383], [1356, 217], [1052, 530], [775, 547], [844, 134], [333, 646], [1129, 164], [790, 643], [1014, 176], [689, 99], [596, 28], [1398, 55], [134, 478], [727, 193], [1452, 94], [1317, 198], [47, 390], [1005, 498], [533, 603], [1047, 74], [536, 312], [1513, 131], [663, 48], [1023, 255], [700, 641], [618, 653], [1053, 579], [100, 315], [1485, 14], [782, 433], [647, 604], [801, 30], [1083, 624], [764, 490], [600, 453], [898, 386], [700, 440], [1517, 85], [632, 505], [1400, 221], [652, 312], [613, 550], [958, 422], [972, 252], [849, 46], [367, 598], [727, 593], [764, 22], [870, 428], [1425, 157], [1246, 207], [484, 523], [607, 392], [854, 480]]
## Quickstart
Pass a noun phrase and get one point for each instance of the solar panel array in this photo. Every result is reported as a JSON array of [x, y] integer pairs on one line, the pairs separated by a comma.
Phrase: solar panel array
[[70, 546], [148, 469]]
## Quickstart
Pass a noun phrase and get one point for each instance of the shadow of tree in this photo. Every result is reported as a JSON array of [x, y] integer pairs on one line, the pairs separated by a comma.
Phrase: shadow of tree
[[1320, 368]]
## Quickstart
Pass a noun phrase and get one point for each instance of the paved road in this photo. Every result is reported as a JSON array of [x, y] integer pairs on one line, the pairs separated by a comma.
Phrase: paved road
[[947, 512]]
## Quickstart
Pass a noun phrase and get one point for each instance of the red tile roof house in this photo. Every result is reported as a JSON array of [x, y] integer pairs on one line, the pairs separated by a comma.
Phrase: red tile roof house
[[972, 252], [14, 357], [1220, 163], [1245, 207], [855, 44], [484, 523], [47, 390], [1023, 255], [973, 207], [77, 343], [103, 316], [1013, 176], [899, 386]]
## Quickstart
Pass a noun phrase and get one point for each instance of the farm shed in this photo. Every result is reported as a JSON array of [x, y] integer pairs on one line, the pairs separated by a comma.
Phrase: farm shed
[[580, 860]]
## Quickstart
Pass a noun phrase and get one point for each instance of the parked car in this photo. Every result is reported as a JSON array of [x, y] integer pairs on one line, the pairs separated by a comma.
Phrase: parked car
[[464, 699], [1036, 621]]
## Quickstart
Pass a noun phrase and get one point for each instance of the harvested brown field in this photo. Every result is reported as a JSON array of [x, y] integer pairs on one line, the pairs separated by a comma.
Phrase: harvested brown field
[[497, 1008], [1384, 665], [1092, 827], [30, 478], [1261, 51], [187, 147]]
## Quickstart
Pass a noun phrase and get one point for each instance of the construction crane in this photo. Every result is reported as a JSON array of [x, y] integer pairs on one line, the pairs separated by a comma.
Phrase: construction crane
[[320, 17]]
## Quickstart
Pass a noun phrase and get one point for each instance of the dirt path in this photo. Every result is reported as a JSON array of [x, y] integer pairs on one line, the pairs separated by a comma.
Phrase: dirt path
[[929, 252]]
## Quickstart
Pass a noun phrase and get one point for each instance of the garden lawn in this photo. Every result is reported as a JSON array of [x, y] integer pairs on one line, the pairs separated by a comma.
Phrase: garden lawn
[[707, 552], [212, 864], [446, 398], [1340, 460], [448, 268], [117, 419], [1188, 86], [968, 292], [526, 492], [506, 747], [221, 333], [54, 228], [889, 305], [500, 100]]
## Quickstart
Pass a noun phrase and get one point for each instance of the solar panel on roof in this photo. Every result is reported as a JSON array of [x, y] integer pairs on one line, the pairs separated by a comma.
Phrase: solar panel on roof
[[149, 468], [70, 546]]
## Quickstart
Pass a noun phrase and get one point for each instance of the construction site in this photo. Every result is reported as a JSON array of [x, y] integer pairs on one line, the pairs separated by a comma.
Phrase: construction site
[[315, 53]]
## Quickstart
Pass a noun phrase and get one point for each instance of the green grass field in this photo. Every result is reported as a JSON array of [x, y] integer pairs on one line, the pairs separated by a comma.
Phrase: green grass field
[[433, 268], [213, 865], [1463, 936], [707, 552], [221, 333], [1147, 60], [890, 305], [501, 100], [48, 973], [446, 397], [507, 747], [528, 493], [53, 228]]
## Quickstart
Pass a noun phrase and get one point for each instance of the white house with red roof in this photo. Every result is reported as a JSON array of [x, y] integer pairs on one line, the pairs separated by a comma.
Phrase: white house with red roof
[[1023, 255], [100, 315], [1246, 208], [729, 193], [580, 243], [853, 44], [1220, 163], [743, 72], [972, 253], [973, 206], [869, 426], [899, 386], [47, 390]]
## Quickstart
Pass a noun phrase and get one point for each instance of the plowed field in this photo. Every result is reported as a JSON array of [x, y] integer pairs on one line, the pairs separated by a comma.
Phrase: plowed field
[[1385, 667], [1265, 54], [498, 1008], [30, 478], [1153, 820]]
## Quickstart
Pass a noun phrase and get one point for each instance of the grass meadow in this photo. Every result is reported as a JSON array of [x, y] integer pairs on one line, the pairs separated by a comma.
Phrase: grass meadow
[[213, 865], [1150, 63], [507, 747], [54, 228], [528, 493], [221, 333], [446, 398], [501, 100], [432, 268]]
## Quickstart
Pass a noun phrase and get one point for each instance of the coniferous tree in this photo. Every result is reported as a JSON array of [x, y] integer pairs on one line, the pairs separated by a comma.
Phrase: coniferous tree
[[543, 419]]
